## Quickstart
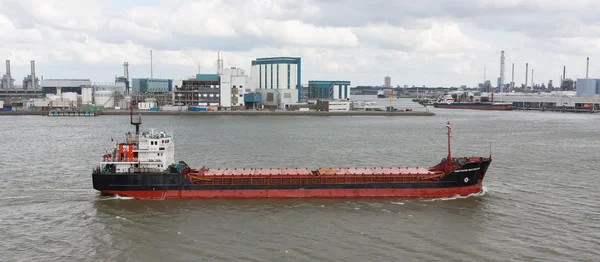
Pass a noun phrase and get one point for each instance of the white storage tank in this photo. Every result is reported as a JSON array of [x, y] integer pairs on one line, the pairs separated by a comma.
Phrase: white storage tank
[[586, 86], [105, 98], [69, 96], [86, 95]]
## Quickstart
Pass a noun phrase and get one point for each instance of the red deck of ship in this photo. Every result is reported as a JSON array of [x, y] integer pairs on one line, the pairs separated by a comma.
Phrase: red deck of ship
[[320, 171]]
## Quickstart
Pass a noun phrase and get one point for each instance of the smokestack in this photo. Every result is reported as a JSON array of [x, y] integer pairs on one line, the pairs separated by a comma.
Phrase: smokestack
[[587, 68], [33, 82], [531, 79], [126, 70], [526, 74], [151, 75], [219, 63], [512, 81], [501, 71], [564, 72], [9, 77]]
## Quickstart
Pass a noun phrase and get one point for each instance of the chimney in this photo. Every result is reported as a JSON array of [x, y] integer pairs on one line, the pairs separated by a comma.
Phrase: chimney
[[531, 79], [564, 72], [587, 68], [526, 74], [126, 70], [33, 81], [8, 76], [512, 81]]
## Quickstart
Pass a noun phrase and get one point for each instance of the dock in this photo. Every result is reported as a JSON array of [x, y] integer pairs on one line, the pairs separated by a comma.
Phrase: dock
[[222, 113]]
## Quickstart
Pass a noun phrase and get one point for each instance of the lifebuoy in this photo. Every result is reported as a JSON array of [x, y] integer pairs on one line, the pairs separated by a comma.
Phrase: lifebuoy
[[466, 180]]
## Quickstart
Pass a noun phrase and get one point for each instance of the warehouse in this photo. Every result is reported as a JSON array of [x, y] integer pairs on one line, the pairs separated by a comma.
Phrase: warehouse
[[279, 73], [59, 86], [332, 90]]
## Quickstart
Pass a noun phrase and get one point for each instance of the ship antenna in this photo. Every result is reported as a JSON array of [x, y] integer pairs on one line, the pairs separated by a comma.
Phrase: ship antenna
[[449, 158], [490, 150], [138, 122]]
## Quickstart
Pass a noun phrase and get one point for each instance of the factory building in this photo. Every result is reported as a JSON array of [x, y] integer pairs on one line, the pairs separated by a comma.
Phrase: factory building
[[277, 73], [204, 89], [234, 84], [278, 98], [331, 90], [588, 86], [152, 85], [59, 86]]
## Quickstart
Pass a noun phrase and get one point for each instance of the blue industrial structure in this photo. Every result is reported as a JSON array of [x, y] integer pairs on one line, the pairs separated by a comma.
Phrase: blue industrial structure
[[152, 85], [207, 77], [329, 90], [270, 69], [252, 98]]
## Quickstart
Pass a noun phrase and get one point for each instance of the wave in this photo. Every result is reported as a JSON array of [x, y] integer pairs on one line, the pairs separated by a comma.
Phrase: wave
[[478, 194]]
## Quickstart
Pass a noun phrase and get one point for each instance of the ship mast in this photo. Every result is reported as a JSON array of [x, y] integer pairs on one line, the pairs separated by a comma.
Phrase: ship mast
[[138, 122], [449, 157]]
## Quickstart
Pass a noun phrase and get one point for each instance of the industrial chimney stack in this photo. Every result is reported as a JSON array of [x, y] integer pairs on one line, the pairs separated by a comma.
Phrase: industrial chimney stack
[[501, 71], [512, 81], [8, 76], [126, 70], [33, 81], [587, 68], [526, 74]]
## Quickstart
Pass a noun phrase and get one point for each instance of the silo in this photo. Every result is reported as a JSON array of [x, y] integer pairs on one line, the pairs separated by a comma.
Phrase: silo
[[105, 98], [86, 95], [586, 86]]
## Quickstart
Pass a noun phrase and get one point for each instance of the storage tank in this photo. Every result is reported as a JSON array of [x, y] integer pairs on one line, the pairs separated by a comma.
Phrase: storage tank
[[69, 96], [105, 98], [586, 86], [86, 95]]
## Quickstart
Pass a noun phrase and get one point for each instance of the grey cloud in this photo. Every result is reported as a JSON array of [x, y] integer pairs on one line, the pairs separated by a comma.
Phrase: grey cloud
[[20, 16]]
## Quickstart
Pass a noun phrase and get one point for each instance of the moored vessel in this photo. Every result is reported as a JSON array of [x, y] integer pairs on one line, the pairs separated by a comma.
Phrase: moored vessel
[[144, 167]]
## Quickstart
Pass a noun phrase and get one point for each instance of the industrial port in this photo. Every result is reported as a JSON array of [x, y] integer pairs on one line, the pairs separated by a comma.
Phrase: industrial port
[[275, 86]]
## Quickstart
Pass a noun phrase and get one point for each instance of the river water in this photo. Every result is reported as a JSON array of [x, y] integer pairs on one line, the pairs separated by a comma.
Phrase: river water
[[540, 203]]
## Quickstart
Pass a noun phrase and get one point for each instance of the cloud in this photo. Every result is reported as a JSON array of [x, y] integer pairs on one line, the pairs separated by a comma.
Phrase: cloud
[[432, 42]]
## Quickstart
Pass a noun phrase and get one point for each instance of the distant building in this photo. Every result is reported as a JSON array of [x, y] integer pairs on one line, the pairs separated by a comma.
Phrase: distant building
[[152, 85], [203, 90], [567, 85], [234, 84], [332, 90], [588, 86], [387, 81], [277, 73], [59, 86]]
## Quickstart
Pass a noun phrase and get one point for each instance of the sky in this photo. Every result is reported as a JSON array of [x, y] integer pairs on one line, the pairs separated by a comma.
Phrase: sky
[[425, 42]]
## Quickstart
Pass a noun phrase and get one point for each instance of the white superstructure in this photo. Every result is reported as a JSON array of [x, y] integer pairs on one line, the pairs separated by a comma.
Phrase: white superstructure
[[150, 151]]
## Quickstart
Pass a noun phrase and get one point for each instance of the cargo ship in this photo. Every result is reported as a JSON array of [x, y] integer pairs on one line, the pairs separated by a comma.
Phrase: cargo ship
[[144, 167]]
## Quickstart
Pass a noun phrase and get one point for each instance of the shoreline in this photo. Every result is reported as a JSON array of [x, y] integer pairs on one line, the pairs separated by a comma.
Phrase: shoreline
[[238, 113]]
